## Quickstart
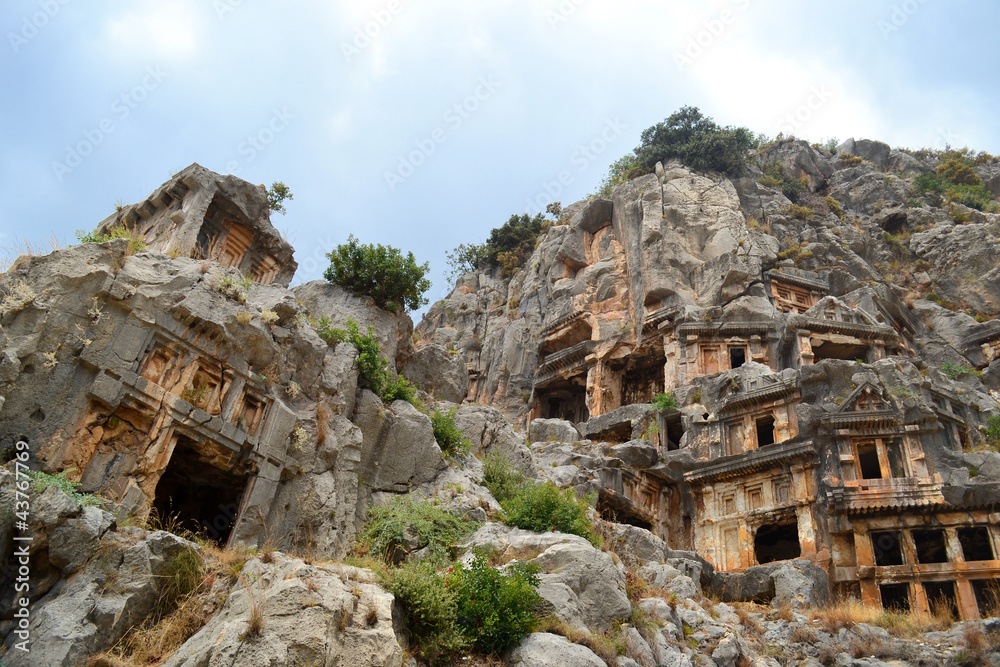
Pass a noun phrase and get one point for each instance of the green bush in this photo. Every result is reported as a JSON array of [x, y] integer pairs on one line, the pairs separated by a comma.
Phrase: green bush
[[430, 609], [466, 258], [776, 177], [544, 507], [967, 190], [665, 402], [697, 141], [373, 367], [621, 170], [953, 371], [495, 609], [501, 477], [449, 437], [276, 196], [992, 432], [381, 272], [434, 528], [41, 481]]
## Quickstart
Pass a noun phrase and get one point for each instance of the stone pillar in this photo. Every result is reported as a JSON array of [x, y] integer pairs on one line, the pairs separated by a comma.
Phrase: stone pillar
[[865, 555], [968, 608], [806, 355]]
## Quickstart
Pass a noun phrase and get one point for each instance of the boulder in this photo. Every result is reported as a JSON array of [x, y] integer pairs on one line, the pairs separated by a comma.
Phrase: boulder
[[637, 453], [582, 586], [399, 449], [875, 152], [542, 649], [308, 615], [439, 372], [635, 546], [552, 430]]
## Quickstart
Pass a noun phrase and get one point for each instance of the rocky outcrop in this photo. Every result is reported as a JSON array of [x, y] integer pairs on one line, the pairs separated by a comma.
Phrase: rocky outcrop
[[289, 613]]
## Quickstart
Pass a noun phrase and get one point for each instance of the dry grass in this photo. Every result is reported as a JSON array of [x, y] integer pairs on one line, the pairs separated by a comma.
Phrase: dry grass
[[848, 613], [608, 647], [14, 295], [322, 416], [244, 317], [24, 248], [180, 612]]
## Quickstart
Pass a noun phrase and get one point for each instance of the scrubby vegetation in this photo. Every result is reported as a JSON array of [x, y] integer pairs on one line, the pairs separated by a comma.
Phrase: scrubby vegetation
[[449, 437], [450, 607], [956, 181], [665, 402], [538, 507], [41, 481], [508, 246], [389, 527], [121, 231], [697, 141], [393, 280], [373, 367], [543, 507], [277, 195]]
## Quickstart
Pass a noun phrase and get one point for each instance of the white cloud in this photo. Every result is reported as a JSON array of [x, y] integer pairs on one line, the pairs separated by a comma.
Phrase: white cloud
[[168, 30]]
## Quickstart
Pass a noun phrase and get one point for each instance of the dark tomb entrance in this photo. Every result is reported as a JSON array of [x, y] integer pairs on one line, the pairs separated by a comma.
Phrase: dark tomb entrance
[[773, 543], [200, 489]]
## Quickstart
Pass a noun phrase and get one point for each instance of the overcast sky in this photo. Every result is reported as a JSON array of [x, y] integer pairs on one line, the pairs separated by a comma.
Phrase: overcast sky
[[425, 124]]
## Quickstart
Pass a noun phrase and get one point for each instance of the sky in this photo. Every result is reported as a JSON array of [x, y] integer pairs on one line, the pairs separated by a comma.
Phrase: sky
[[422, 125]]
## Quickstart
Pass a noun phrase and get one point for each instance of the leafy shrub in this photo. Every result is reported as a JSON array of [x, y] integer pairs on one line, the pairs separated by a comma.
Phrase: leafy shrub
[[665, 402], [697, 141], [501, 477], [800, 212], [276, 196], [41, 481], [508, 247], [431, 610], [965, 191], [372, 366], [544, 507], [776, 177], [495, 609], [992, 432], [381, 272], [433, 528], [958, 170], [953, 371], [621, 170], [449, 437]]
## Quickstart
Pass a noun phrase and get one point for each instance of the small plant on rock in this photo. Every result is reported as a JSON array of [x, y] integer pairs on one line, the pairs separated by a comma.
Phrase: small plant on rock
[[665, 402], [450, 438], [544, 507]]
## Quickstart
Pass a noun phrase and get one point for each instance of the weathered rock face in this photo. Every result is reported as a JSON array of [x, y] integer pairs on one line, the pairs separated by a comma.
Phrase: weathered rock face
[[203, 215], [823, 389], [89, 582], [313, 615], [176, 385]]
